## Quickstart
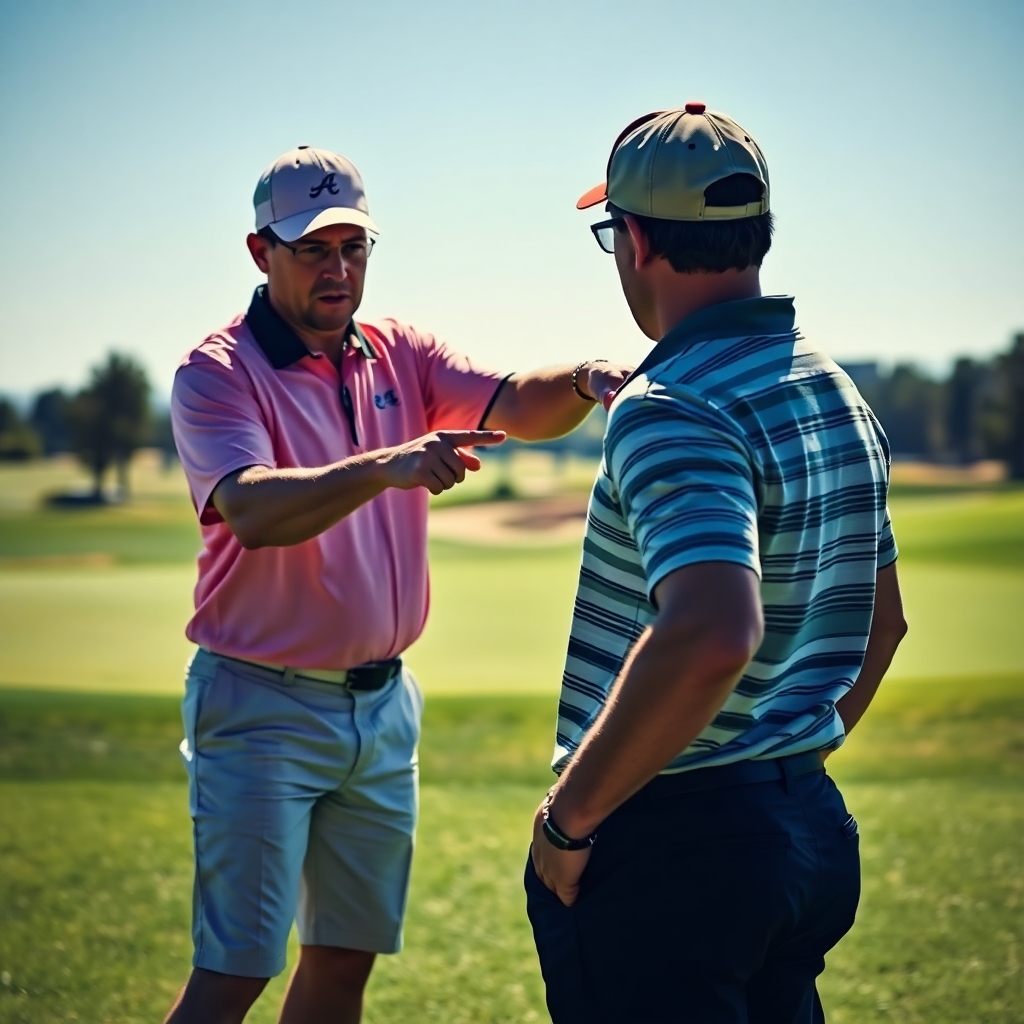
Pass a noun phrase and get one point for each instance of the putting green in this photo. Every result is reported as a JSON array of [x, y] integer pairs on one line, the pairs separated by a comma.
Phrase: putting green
[[499, 623], [116, 629], [963, 621]]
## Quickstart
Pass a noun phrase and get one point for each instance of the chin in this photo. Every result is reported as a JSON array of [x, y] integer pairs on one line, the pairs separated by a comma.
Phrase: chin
[[329, 319]]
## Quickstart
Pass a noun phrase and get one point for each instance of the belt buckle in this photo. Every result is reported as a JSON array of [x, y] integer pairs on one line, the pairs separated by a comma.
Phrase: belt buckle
[[374, 676]]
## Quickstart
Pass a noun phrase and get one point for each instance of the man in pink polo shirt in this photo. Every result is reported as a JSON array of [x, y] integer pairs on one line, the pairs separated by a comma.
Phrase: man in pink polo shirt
[[310, 442]]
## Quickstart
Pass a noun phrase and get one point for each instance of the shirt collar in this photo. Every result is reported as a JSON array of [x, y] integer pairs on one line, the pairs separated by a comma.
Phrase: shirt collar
[[280, 344], [765, 314]]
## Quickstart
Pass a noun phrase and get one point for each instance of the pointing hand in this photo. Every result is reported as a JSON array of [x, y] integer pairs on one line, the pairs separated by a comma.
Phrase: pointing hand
[[437, 461]]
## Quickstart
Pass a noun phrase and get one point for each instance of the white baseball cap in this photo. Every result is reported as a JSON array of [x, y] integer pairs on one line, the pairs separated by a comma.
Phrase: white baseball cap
[[306, 189]]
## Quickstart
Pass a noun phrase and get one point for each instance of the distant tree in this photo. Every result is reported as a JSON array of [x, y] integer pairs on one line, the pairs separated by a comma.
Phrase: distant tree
[[18, 440], [161, 437], [870, 383], [963, 396], [49, 418], [109, 419], [910, 407], [1013, 369]]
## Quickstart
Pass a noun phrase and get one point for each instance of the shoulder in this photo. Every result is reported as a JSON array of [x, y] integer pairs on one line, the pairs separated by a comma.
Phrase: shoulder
[[227, 347], [396, 336], [648, 403], [223, 360]]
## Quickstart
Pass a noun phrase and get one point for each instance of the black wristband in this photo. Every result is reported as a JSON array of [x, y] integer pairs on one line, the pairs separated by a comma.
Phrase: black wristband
[[556, 837]]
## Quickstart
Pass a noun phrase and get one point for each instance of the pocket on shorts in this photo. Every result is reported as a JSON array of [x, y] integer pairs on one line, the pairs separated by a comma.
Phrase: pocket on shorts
[[416, 693], [397, 721], [412, 706], [198, 680]]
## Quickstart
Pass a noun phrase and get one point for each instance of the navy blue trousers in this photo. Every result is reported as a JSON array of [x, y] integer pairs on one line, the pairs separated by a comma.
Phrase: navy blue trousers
[[712, 907]]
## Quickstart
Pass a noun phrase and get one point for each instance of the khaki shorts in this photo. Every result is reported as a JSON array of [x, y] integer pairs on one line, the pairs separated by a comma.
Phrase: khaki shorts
[[303, 800]]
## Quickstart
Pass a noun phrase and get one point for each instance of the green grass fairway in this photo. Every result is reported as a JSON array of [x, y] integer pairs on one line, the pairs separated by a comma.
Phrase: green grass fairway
[[116, 628], [95, 859], [500, 616], [95, 873]]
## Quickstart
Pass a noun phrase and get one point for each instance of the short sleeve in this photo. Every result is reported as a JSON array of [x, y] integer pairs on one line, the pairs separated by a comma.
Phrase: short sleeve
[[457, 392], [887, 550], [685, 483], [218, 427]]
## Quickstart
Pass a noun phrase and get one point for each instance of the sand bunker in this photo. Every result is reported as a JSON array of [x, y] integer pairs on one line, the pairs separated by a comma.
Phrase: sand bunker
[[534, 522]]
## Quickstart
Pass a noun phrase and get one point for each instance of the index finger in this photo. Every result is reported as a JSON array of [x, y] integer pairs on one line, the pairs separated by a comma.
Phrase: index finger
[[469, 438]]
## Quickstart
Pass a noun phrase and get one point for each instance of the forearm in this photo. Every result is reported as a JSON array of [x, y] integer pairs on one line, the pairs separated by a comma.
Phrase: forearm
[[539, 405], [667, 694], [281, 507]]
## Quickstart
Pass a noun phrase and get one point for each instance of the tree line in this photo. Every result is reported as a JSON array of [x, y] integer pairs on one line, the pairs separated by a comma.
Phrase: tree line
[[975, 412], [104, 423]]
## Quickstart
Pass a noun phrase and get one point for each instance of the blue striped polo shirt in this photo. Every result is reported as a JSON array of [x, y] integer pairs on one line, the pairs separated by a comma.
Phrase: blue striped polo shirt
[[737, 441]]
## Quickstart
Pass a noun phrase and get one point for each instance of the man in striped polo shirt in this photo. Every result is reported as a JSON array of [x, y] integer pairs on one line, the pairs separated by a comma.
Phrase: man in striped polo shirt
[[738, 606]]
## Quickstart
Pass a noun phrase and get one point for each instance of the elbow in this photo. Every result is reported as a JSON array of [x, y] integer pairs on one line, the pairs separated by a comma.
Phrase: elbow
[[734, 649], [247, 533], [898, 629], [249, 540], [737, 642], [723, 658], [719, 650], [888, 635], [894, 627]]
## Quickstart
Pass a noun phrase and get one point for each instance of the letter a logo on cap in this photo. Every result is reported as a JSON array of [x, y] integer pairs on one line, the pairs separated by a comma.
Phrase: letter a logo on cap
[[289, 199], [328, 183]]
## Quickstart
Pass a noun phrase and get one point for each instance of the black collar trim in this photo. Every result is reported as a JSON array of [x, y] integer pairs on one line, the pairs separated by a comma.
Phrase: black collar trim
[[280, 344]]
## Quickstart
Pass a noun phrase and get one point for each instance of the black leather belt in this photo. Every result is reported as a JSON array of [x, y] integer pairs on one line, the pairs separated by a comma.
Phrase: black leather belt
[[374, 675], [739, 773]]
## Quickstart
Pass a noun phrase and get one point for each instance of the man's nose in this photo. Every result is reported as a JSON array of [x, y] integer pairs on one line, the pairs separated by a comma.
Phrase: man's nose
[[335, 266]]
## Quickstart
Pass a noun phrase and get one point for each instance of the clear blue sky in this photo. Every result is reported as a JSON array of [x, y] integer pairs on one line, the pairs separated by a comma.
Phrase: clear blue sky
[[132, 135]]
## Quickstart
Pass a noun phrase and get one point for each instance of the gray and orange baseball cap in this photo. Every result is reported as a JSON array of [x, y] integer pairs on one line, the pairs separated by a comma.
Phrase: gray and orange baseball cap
[[308, 188], [663, 163]]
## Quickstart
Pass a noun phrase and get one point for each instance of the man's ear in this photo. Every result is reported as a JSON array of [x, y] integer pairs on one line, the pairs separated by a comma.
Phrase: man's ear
[[258, 251], [641, 247]]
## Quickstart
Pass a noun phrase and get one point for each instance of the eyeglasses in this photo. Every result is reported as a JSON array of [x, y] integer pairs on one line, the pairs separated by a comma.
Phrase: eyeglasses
[[354, 253], [604, 232]]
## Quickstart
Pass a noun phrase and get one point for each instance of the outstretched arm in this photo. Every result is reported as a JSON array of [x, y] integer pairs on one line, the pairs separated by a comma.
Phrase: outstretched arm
[[278, 507], [543, 404]]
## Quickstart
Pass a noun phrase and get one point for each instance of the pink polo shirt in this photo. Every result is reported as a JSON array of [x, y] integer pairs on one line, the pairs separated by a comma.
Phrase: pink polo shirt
[[253, 395]]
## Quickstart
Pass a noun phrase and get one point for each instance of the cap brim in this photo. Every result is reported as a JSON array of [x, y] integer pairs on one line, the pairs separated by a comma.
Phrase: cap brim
[[598, 194], [292, 228]]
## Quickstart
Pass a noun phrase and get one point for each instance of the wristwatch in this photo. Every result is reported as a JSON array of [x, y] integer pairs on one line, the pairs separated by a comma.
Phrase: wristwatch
[[556, 837]]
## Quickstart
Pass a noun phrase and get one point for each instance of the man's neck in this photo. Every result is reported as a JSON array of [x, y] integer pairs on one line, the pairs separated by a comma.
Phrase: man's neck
[[330, 343], [686, 294]]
